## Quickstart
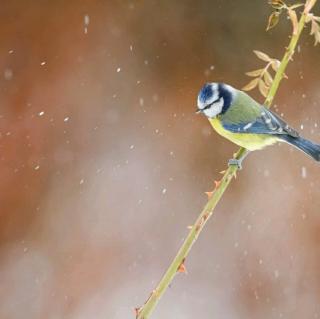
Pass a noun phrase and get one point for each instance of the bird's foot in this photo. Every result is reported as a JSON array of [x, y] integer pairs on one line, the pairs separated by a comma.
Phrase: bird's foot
[[235, 162]]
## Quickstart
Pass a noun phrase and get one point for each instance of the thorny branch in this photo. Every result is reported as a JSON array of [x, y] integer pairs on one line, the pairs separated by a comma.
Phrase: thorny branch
[[177, 264]]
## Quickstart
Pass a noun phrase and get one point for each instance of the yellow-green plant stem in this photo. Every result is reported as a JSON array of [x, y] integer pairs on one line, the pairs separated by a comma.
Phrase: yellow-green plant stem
[[145, 311]]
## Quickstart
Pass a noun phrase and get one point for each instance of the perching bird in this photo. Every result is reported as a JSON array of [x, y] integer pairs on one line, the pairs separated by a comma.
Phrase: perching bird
[[243, 121]]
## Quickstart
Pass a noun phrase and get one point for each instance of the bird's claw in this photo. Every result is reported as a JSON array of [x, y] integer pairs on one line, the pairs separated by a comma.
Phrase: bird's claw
[[235, 162]]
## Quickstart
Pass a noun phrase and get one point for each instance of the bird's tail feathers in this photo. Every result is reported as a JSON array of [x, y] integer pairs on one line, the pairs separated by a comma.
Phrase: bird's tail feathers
[[304, 145]]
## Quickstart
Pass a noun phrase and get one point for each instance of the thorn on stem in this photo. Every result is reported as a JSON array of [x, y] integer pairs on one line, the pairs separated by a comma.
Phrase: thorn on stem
[[209, 194], [182, 268], [217, 184], [231, 174], [137, 310]]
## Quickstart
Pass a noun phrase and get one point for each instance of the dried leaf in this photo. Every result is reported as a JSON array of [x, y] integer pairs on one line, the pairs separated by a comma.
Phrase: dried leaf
[[316, 18], [315, 30], [251, 85], [267, 78], [308, 6], [255, 73], [263, 88], [262, 56], [277, 4], [294, 20], [314, 27], [273, 20], [295, 6], [275, 65], [317, 38]]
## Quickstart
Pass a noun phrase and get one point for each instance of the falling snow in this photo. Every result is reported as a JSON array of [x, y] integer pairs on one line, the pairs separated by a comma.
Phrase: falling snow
[[304, 172], [8, 74], [86, 21]]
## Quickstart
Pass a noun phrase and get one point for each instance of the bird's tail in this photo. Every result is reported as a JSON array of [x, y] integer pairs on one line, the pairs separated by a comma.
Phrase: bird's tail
[[304, 145]]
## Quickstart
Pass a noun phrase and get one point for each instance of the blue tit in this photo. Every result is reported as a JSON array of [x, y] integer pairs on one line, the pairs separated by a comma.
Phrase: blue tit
[[243, 121]]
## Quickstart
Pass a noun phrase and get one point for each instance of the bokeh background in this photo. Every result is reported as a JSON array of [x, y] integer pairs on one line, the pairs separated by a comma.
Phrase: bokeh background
[[104, 163]]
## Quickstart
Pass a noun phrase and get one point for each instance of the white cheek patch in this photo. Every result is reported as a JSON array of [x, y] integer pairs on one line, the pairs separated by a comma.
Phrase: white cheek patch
[[214, 109]]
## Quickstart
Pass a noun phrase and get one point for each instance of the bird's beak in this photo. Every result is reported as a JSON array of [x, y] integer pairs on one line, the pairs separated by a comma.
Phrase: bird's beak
[[198, 111]]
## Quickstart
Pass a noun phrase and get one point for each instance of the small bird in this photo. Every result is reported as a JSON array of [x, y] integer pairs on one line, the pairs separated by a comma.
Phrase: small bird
[[245, 122]]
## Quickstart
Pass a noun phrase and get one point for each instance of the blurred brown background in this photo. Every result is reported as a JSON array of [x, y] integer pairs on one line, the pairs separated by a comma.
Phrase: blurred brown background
[[104, 163]]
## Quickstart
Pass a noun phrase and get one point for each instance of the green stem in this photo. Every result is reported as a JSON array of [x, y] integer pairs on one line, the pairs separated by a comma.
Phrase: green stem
[[285, 60], [145, 311]]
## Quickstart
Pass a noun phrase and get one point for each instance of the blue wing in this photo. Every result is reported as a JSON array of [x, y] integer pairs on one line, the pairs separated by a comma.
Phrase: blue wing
[[266, 123]]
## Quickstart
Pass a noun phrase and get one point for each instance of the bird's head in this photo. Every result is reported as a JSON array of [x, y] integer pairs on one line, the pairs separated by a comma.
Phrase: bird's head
[[215, 99]]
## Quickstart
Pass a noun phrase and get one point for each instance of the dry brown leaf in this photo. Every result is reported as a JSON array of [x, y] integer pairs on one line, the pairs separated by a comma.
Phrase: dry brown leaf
[[263, 88], [314, 27], [255, 73], [262, 56], [294, 20], [317, 38], [308, 6], [251, 85], [315, 30], [295, 6], [267, 78], [316, 18], [273, 20], [277, 4]]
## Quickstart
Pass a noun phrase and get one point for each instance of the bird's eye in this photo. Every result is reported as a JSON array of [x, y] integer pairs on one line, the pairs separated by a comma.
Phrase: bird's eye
[[209, 105]]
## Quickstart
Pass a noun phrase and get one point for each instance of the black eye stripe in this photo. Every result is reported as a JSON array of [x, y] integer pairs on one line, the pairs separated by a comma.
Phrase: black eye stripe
[[209, 105]]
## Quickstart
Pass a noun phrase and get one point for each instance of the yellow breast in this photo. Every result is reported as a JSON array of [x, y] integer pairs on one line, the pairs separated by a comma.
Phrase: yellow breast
[[249, 141]]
